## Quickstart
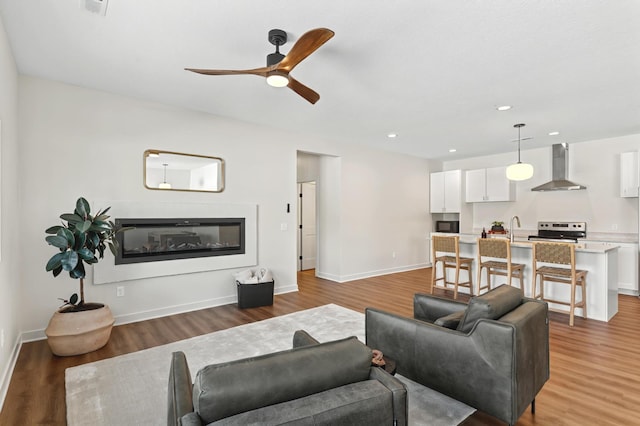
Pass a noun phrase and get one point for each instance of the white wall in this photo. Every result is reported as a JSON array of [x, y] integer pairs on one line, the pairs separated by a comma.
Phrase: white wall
[[10, 221], [83, 142], [594, 164], [79, 142], [373, 212]]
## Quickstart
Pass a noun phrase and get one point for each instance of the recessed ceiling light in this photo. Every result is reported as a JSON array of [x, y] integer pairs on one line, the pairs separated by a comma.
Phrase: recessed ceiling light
[[554, 133], [392, 135], [504, 107], [452, 150]]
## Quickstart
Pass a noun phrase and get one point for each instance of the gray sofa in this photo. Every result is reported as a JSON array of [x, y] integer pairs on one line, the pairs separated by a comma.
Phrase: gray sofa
[[314, 383], [492, 354]]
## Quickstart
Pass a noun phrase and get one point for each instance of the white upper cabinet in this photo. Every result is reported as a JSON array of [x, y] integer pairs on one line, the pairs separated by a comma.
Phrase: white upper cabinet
[[487, 185], [629, 174], [446, 191]]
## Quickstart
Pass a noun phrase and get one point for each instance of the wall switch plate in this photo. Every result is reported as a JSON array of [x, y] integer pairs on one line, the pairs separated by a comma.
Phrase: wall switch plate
[[283, 226], [119, 291]]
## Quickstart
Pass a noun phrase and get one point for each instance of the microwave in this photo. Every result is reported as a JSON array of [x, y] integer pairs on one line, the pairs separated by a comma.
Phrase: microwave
[[452, 226]]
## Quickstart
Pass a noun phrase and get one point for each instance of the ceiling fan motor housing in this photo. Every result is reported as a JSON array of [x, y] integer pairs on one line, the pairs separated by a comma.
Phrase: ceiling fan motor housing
[[277, 38]]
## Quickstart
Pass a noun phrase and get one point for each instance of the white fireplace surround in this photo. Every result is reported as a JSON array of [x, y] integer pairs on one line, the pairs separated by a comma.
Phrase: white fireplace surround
[[106, 271]]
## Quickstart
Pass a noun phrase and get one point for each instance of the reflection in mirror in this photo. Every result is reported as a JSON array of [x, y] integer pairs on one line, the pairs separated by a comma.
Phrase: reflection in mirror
[[167, 170]]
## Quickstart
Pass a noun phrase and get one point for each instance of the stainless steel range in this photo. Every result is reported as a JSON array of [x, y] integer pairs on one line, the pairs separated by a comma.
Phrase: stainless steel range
[[565, 232]]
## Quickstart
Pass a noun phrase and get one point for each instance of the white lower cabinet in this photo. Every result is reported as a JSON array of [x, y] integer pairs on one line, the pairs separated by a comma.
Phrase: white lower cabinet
[[627, 267]]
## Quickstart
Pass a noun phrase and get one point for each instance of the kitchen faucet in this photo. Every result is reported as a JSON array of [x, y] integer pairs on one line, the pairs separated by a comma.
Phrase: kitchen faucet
[[511, 226]]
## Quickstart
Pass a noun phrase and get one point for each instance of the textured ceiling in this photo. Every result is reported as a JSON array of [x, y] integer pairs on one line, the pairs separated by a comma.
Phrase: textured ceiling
[[431, 71]]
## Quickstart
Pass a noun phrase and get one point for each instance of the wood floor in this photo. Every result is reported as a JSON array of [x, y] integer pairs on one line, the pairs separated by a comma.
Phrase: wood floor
[[595, 377]]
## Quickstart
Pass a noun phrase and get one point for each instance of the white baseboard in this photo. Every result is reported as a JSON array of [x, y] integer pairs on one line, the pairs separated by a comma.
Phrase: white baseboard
[[33, 335], [369, 274], [8, 372]]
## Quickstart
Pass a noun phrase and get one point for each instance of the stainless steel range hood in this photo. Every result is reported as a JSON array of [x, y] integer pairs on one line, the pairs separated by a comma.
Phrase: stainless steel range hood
[[560, 165]]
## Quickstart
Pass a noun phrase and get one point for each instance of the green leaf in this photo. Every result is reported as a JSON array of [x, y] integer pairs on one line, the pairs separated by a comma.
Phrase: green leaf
[[53, 229], [82, 207], [81, 238], [57, 271], [71, 218], [73, 299], [71, 239], [69, 260], [83, 226], [85, 254], [113, 246], [58, 241], [55, 262], [92, 241], [78, 271], [100, 226]]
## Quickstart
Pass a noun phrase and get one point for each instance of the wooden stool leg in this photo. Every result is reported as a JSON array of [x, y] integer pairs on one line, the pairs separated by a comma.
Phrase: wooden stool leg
[[470, 279], [433, 275], [455, 284], [584, 298], [572, 306]]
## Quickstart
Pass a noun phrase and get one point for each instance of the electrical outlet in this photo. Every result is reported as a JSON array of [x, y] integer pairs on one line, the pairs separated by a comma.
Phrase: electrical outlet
[[393, 254], [119, 291], [614, 227]]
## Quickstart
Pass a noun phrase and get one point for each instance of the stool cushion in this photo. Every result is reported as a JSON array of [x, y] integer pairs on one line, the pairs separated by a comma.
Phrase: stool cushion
[[491, 305], [451, 321]]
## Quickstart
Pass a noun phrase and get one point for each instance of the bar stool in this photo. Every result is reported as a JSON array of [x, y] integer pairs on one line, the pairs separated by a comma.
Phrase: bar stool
[[497, 248], [559, 254], [450, 259]]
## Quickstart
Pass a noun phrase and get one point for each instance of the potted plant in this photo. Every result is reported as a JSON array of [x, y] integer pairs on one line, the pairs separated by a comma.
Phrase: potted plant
[[79, 327], [496, 226]]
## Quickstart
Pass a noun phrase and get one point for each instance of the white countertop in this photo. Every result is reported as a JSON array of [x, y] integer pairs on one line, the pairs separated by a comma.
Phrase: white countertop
[[523, 242]]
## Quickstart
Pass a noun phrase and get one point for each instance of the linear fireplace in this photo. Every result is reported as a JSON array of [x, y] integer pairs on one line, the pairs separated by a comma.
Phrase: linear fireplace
[[156, 239]]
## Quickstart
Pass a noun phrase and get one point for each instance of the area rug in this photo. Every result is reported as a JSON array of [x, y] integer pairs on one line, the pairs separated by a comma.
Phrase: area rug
[[132, 389]]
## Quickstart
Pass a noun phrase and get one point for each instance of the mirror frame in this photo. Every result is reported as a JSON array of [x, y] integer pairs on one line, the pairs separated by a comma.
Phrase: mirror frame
[[147, 154]]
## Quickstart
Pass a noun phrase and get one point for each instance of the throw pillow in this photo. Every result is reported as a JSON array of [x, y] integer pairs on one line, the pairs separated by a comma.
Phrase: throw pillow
[[450, 321], [491, 305]]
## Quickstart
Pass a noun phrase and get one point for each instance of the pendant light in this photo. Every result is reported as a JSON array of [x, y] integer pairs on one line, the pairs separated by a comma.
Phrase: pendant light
[[164, 184], [520, 170]]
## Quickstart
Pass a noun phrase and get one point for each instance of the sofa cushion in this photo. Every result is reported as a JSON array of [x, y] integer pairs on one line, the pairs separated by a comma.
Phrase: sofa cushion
[[222, 390], [451, 321], [363, 403], [491, 305]]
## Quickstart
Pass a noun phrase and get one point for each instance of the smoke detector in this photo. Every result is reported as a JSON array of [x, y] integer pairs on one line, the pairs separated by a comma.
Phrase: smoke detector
[[95, 6]]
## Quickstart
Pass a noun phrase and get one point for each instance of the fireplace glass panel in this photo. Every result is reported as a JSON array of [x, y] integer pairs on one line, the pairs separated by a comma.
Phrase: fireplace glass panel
[[167, 239]]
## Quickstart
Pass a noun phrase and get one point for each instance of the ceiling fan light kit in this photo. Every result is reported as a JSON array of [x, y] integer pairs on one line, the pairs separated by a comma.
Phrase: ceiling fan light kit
[[279, 66], [519, 171], [277, 79]]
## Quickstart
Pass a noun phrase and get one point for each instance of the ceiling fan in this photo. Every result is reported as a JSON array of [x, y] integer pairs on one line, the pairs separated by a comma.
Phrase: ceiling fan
[[279, 66]]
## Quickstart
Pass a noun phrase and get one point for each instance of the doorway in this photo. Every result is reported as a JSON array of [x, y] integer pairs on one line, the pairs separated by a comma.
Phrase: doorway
[[307, 226]]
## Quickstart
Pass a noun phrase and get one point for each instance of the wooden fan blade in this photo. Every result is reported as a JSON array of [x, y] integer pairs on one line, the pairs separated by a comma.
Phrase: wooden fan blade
[[308, 43], [302, 90], [256, 71]]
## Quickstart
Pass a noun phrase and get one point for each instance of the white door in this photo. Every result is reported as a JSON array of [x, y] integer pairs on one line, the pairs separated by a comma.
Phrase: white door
[[307, 225]]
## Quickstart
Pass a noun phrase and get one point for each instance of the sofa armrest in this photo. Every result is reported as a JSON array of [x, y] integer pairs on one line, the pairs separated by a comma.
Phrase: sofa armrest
[[429, 308], [180, 388], [398, 392], [190, 419]]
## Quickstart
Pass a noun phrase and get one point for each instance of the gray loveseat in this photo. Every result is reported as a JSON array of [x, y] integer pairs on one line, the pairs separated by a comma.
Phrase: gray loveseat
[[492, 354], [329, 383]]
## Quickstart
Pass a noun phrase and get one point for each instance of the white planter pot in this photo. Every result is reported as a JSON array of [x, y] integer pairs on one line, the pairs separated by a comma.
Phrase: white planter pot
[[75, 333]]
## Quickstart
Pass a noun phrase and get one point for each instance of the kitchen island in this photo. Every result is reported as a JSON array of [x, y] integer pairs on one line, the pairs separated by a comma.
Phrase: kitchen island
[[599, 259]]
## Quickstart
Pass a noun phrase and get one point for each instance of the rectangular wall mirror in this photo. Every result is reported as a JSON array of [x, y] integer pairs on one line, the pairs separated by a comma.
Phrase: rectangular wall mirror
[[174, 171]]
